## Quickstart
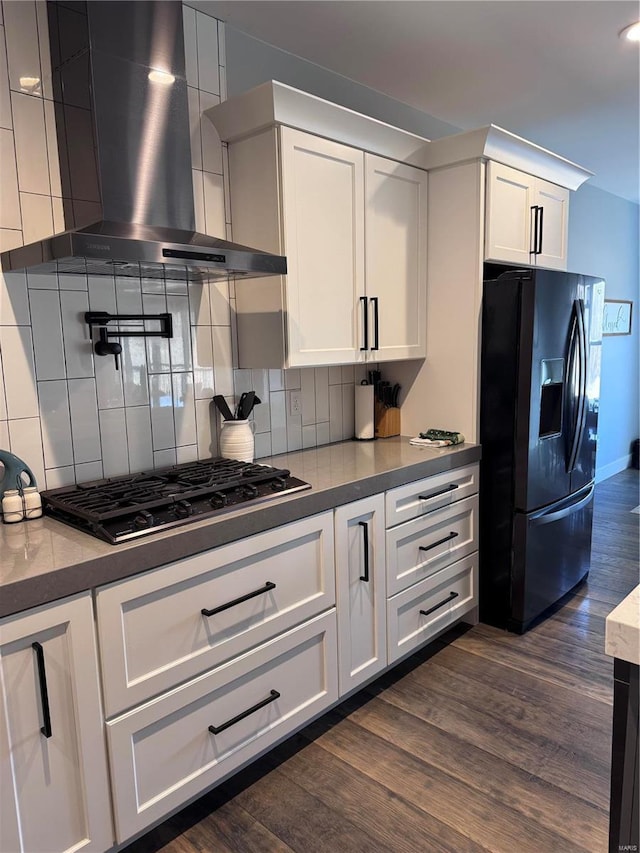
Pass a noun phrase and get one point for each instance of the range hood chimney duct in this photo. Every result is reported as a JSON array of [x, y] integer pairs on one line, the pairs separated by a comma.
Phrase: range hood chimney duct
[[122, 126]]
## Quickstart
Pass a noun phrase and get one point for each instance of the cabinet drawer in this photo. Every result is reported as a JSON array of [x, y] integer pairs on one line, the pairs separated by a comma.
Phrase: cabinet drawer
[[444, 597], [164, 752], [425, 545], [152, 630], [417, 498]]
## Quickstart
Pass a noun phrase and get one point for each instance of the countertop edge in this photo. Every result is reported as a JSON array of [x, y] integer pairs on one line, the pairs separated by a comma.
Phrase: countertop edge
[[622, 629]]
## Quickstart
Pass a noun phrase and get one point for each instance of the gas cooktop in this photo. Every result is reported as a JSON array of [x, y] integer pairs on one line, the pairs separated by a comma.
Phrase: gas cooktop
[[122, 508]]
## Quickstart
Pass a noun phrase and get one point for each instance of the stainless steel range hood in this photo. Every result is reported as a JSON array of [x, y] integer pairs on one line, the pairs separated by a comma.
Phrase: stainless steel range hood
[[122, 127]]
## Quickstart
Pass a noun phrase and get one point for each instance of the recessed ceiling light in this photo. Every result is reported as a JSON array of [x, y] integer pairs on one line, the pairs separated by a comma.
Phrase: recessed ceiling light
[[161, 77], [631, 33]]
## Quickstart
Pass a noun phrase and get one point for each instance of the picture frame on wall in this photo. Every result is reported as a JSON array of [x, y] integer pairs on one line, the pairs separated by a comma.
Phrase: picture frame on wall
[[617, 317]]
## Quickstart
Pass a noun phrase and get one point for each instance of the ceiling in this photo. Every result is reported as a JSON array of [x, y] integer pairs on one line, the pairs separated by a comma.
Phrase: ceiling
[[553, 71]]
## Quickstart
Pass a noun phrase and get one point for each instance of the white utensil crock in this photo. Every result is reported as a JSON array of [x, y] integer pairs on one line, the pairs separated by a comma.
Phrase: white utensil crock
[[236, 440]]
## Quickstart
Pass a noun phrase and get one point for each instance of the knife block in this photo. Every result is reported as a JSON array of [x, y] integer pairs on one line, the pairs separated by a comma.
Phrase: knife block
[[387, 421]]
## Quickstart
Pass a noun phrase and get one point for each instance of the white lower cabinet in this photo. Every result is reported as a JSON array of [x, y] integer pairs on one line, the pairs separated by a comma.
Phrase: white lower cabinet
[[53, 769], [173, 747], [360, 591]]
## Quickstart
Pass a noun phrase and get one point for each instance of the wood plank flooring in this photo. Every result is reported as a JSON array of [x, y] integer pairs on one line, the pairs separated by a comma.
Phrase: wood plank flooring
[[482, 741]]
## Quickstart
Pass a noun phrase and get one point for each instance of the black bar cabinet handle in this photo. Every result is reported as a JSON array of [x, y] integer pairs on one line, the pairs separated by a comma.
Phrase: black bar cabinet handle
[[452, 535], [539, 249], [444, 491], [533, 238], [44, 693], [266, 588], [365, 324], [273, 695], [365, 532], [449, 598], [376, 327]]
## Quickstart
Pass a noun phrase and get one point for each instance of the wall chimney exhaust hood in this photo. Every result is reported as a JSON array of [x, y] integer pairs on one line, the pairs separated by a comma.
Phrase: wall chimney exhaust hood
[[122, 127]]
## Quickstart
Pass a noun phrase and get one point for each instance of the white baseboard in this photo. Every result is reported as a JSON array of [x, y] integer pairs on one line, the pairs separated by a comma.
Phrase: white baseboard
[[612, 468]]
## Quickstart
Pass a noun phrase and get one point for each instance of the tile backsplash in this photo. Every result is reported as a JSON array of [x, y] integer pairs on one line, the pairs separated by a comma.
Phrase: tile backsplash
[[67, 412]]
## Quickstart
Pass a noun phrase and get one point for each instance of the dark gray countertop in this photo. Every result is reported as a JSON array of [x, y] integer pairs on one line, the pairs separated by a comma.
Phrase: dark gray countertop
[[43, 560]]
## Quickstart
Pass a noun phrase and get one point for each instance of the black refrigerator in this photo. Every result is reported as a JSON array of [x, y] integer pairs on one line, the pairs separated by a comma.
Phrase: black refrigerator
[[540, 383]]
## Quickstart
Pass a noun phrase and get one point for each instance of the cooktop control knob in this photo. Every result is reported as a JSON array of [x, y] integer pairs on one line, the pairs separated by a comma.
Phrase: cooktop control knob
[[278, 484], [218, 499], [183, 509], [142, 520], [250, 491]]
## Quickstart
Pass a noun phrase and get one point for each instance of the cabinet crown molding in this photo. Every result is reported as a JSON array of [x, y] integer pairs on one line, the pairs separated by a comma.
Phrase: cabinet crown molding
[[273, 103], [495, 143]]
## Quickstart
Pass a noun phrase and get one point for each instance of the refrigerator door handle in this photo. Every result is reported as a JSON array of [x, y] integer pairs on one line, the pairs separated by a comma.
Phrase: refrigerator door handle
[[548, 517], [580, 419]]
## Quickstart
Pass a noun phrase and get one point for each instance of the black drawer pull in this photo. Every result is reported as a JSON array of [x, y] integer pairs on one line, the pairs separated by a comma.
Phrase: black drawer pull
[[273, 695], [44, 693], [452, 535], [266, 588], [365, 533], [446, 489], [452, 595]]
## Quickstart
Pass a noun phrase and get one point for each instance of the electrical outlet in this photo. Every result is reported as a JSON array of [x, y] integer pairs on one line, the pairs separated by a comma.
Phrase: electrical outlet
[[295, 403]]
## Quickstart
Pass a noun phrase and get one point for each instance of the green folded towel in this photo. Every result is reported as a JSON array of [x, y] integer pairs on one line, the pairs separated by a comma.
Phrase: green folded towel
[[443, 435]]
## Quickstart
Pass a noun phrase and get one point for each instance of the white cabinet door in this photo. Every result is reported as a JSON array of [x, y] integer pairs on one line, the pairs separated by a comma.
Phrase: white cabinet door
[[554, 202], [323, 210], [53, 771], [510, 197], [395, 259], [360, 589]]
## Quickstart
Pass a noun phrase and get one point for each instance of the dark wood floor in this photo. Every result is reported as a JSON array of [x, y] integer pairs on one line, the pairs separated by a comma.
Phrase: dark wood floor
[[483, 741]]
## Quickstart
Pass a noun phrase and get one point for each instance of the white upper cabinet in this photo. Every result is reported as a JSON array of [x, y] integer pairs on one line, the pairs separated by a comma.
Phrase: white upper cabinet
[[527, 219]]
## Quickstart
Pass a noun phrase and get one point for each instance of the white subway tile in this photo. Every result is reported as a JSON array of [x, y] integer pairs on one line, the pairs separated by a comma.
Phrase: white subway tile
[[347, 373], [78, 347], [360, 373], [139, 443], [190, 45], [5, 98], [74, 281], [203, 375], [56, 478], [323, 433], [260, 383], [58, 216], [219, 301], [207, 36], [9, 198], [262, 415], [335, 375], [164, 458], [176, 288], [322, 393], [133, 359], [309, 436], [222, 360], [21, 32], [19, 371], [38, 281], [184, 413], [37, 217], [31, 144], [335, 412], [46, 324], [211, 145], [242, 381], [262, 445], [198, 201], [153, 285], [276, 380], [3, 400], [180, 343], [56, 427], [158, 358], [4, 436], [277, 404], [206, 428], [161, 402], [194, 128], [26, 443], [14, 302], [9, 239], [308, 386], [188, 453], [84, 420], [113, 429], [292, 378], [199, 305], [214, 204], [348, 411], [294, 432], [88, 471], [222, 53], [46, 79]]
